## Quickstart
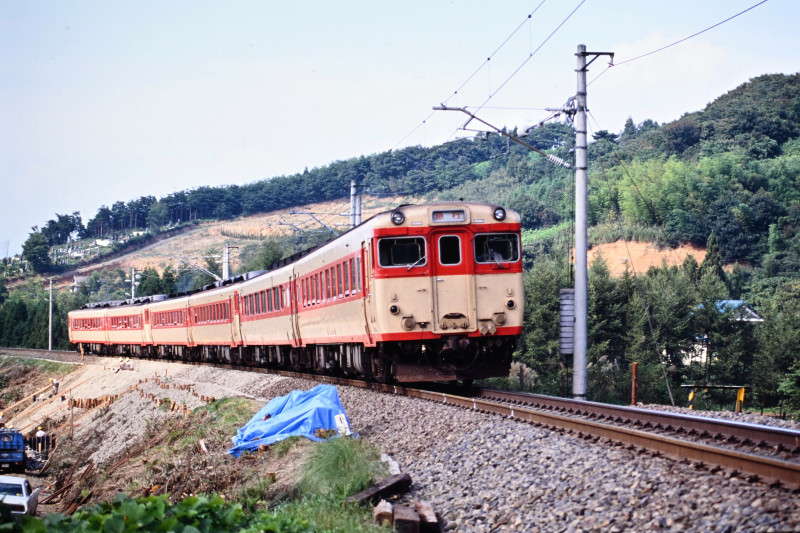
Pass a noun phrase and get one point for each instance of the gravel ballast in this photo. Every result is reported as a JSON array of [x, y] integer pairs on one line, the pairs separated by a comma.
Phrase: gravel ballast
[[481, 472]]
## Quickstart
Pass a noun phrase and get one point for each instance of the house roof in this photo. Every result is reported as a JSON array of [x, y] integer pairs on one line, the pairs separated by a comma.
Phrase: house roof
[[740, 308]]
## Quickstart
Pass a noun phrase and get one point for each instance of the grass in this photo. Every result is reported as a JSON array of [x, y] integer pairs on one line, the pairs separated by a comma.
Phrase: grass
[[281, 448], [340, 467], [47, 367], [329, 515]]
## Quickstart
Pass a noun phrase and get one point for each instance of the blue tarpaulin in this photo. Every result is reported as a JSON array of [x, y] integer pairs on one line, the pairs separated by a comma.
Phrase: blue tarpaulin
[[300, 413]]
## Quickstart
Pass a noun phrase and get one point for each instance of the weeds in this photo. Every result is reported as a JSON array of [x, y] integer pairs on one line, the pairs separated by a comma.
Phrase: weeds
[[253, 497], [281, 448], [340, 467], [328, 514]]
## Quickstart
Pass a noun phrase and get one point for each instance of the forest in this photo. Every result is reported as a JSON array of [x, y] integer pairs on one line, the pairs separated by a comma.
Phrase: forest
[[726, 178]]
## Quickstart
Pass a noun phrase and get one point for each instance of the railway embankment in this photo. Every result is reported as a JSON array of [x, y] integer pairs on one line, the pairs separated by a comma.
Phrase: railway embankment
[[481, 472]]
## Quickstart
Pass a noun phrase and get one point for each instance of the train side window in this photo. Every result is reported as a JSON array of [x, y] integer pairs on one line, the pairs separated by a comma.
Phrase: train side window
[[401, 252], [358, 274], [327, 284], [276, 297], [496, 248], [449, 250], [346, 275], [339, 288], [258, 303]]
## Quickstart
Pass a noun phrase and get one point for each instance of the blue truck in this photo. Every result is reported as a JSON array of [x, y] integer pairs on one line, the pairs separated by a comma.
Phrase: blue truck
[[12, 450]]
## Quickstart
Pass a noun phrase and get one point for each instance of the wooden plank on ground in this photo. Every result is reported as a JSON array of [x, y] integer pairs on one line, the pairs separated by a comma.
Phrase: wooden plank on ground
[[390, 486], [427, 517], [383, 513], [406, 520]]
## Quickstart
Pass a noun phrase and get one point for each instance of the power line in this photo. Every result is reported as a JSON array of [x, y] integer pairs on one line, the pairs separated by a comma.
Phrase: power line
[[488, 59], [525, 61], [678, 41], [531, 54], [469, 78]]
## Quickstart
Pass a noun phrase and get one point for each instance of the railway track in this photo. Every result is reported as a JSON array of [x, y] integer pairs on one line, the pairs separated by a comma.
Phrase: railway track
[[762, 453]]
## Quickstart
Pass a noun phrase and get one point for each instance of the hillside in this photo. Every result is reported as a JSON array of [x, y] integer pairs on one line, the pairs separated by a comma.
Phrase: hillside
[[719, 184], [243, 234]]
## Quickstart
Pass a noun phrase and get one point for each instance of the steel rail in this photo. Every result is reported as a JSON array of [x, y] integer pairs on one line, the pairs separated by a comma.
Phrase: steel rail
[[787, 439], [756, 466]]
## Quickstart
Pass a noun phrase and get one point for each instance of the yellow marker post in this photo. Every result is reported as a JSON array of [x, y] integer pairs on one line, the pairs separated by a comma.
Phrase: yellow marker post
[[740, 400], [691, 398]]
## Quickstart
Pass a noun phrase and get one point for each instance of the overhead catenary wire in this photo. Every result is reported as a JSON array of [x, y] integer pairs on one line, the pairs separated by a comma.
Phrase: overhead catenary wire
[[679, 41], [477, 70], [524, 62]]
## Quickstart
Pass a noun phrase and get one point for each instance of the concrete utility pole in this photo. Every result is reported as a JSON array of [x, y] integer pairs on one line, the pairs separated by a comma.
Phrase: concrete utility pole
[[226, 261], [581, 231], [50, 325], [355, 203]]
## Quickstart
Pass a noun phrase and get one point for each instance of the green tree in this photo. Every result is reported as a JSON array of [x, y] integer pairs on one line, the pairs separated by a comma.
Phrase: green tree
[[36, 252], [539, 348], [271, 250], [150, 283], [158, 215], [168, 280]]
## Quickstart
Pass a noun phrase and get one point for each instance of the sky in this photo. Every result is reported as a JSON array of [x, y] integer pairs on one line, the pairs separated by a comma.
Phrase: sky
[[110, 101]]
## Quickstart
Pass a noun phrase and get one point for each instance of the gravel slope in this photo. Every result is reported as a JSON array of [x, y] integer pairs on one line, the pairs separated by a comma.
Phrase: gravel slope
[[481, 472]]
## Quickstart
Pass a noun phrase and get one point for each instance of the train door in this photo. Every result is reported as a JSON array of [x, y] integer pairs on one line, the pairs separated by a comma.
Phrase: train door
[[293, 296], [453, 282], [365, 275], [236, 334]]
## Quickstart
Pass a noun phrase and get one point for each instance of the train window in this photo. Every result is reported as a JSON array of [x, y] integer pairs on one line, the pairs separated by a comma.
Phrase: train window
[[496, 248], [339, 289], [401, 252], [357, 273], [449, 250], [258, 303], [263, 296], [327, 284], [346, 269], [276, 296]]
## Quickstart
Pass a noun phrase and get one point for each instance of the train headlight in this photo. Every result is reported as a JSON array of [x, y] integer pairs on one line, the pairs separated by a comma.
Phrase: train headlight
[[499, 318], [499, 214], [398, 218], [394, 309], [408, 323], [511, 304]]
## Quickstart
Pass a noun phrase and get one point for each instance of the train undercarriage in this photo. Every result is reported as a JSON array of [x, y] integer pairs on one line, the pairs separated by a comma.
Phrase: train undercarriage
[[447, 359]]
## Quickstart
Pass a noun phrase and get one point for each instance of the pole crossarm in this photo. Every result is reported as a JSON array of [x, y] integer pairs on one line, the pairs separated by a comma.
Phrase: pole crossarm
[[549, 157], [201, 269]]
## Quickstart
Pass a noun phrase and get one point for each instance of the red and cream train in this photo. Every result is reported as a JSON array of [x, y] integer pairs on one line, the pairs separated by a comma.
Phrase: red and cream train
[[419, 293]]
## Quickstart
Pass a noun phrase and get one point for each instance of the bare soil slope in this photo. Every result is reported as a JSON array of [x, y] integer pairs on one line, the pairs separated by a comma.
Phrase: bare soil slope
[[637, 257], [158, 428]]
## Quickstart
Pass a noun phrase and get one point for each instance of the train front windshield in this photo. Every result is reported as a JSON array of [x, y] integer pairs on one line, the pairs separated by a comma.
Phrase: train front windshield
[[496, 248], [401, 252]]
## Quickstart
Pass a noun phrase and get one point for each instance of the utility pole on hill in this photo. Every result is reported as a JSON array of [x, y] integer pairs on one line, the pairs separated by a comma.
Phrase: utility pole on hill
[[581, 232]]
